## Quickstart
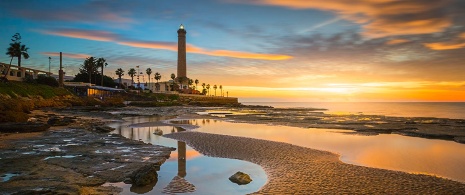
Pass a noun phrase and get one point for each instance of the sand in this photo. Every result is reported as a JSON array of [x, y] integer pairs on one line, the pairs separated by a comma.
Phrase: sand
[[297, 170]]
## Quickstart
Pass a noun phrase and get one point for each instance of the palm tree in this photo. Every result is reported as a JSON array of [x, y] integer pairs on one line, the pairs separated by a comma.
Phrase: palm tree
[[157, 76], [190, 82], [89, 67], [17, 50], [149, 72], [215, 87], [173, 76], [221, 88], [101, 62], [208, 89], [120, 73], [131, 73], [196, 83]]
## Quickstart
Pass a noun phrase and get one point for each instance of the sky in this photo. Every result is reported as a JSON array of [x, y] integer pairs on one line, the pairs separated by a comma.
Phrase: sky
[[259, 50]]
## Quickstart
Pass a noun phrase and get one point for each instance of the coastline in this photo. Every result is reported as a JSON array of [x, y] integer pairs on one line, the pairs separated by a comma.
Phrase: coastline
[[297, 170], [291, 169]]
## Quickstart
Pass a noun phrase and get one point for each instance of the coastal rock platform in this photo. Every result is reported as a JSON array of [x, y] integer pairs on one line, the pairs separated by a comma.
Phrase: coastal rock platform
[[298, 170]]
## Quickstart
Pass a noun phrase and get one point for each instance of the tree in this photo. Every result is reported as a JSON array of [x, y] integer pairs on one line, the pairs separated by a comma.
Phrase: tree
[[204, 91], [88, 68], [221, 88], [191, 82], [149, 72], [101, 62], [120, 73], [173, 76], [17, 50], [215, 87], [131, 73], [196, 83], [208, 89], [157, 76], [182, 80]]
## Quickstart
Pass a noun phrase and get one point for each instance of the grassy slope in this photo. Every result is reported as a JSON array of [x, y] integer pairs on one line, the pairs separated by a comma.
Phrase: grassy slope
[[21, 89]]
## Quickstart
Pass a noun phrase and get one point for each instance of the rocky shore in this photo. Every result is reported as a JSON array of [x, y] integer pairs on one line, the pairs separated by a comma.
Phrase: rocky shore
[[76, 156], [297, 170], [424, 127]]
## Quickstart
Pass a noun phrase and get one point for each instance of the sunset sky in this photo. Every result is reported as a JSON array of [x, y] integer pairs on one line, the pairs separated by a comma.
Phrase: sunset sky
[[259, 50]]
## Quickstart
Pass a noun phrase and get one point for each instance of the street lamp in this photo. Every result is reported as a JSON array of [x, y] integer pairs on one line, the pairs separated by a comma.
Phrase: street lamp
[[49, 62]]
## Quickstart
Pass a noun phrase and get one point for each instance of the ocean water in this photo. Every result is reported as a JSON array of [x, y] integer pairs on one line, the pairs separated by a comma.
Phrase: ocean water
[[453, 110]]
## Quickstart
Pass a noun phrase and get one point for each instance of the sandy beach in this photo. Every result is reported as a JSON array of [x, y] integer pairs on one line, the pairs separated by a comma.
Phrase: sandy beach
[[297, 170]]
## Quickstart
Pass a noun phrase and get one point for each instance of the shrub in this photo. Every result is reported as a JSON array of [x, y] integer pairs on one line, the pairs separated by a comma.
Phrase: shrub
[[13, 116], [47, 80]]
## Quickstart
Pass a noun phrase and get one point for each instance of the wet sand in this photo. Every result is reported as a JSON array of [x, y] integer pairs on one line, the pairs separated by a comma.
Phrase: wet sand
[[297, 170]]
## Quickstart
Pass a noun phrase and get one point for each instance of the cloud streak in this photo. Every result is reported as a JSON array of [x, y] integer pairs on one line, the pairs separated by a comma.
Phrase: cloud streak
[[171, 46], [380, 18], [68, 55]]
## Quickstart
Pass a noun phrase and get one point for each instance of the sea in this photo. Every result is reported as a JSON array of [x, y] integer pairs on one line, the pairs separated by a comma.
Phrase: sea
[[452, 110]]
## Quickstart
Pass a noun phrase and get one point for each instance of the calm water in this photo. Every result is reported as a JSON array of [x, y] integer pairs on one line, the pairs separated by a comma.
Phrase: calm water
[[454, 110], [209, 175], [387, 151]]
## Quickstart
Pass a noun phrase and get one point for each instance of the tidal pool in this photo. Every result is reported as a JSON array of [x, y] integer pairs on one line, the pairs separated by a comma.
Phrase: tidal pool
[[209, 175], [387, 151]]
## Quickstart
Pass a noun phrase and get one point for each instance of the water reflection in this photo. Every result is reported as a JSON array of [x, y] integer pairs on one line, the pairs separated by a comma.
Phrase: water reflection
[[186, 168], [388, 151]]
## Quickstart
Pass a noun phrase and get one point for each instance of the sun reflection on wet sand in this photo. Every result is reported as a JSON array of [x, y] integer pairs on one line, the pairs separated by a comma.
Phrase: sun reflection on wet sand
[[388, 151]]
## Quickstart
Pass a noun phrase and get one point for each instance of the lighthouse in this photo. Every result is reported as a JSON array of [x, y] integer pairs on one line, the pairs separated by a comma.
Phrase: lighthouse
[[182, 52]]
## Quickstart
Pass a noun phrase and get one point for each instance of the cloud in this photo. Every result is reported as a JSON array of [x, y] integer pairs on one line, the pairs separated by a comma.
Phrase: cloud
[[91, 12], [171, 46], [447, 45], [83, 34], [67, 55], [380, 18], [444, 46], [396, 41]]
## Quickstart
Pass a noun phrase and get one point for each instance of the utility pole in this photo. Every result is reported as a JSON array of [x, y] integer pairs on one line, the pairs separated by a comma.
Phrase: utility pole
[[49, 62]]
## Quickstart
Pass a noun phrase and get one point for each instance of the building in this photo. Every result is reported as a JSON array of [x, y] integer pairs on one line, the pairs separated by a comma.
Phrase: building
[[182, 69], [16, 73], [87, 89]]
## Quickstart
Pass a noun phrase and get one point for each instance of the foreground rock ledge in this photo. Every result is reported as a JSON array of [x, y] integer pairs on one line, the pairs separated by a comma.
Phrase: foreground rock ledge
[[297, 170], [75, 161]]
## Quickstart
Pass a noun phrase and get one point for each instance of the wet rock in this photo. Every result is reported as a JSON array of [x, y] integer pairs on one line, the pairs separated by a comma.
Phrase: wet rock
[[460, 139], [158, 132], [127, 181], [23, 127], [240, 178], [60, 121], [145, 175], [103, 129]]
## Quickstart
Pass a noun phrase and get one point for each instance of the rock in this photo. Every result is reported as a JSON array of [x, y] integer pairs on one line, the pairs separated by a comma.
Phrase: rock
[[240, 178], [127, 181], [23, 127], [103, 129], [145, 175], [158, 132], [59, 121]]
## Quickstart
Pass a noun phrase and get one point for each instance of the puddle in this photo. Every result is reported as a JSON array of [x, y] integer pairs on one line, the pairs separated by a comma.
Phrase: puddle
[[6, 177], [186, 164], [65, 156]]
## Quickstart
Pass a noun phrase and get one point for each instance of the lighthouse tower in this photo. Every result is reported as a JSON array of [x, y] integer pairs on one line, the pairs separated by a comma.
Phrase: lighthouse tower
[[182, 52]]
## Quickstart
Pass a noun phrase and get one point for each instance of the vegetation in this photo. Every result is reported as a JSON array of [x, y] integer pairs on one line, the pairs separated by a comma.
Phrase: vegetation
[[131, 73], [21, 89], [101, 62], [149, 72], [215, 87], [16, 50], [120, 73]]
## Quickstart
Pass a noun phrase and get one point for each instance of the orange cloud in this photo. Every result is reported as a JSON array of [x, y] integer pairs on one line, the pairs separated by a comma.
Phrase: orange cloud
[[396, 41], [379, 18], [444, 46], [83, 34], [68, 55], [110, 37]]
